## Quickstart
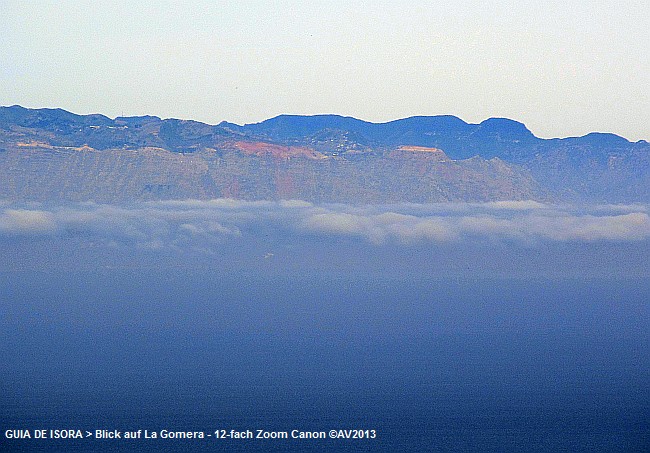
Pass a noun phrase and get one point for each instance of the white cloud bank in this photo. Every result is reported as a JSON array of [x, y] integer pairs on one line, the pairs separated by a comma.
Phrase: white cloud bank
[[197, 223]]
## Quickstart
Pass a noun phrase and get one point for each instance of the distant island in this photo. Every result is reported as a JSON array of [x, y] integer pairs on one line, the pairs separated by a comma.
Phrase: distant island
[[54, 155]]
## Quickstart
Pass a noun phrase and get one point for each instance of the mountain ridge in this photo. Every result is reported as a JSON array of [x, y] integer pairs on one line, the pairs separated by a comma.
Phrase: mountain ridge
[[452, 118], [333, 158]]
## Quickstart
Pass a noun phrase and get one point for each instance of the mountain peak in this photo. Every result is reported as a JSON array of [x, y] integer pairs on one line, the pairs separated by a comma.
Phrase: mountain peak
[[605, 138], [505, 128]]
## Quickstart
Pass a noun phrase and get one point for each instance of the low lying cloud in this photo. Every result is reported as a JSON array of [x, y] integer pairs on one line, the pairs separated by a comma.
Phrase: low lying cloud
[[204, 224], [26, 221], [378, 228]]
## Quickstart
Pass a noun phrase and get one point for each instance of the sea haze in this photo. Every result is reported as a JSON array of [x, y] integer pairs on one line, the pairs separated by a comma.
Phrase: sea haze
[[509, 326]]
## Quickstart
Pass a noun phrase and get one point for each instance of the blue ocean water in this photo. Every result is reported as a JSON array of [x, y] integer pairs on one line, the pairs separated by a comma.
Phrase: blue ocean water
[[429, 364]]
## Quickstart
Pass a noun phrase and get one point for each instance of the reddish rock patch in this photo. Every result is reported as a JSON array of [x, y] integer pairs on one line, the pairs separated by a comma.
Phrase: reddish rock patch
[[420, 152], [278, 151]]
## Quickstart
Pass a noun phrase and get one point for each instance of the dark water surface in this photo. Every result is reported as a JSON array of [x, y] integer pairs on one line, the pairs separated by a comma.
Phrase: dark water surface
[[430, 365]]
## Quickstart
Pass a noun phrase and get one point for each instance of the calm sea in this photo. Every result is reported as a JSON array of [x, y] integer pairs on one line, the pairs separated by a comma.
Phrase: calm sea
[[429, 365]]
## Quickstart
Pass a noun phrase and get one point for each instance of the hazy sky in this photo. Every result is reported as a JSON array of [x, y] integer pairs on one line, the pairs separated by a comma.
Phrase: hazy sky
[[564, 68]]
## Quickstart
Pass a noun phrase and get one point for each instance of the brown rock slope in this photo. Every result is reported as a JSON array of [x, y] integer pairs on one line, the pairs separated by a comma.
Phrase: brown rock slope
[[250, 170]]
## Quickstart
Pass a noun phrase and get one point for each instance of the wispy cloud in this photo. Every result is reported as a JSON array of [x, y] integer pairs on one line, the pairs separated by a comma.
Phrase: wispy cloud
[[196, 223]]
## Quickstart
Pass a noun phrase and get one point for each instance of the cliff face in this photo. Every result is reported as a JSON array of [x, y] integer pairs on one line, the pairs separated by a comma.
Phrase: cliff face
[[78, 174], [53, 155]]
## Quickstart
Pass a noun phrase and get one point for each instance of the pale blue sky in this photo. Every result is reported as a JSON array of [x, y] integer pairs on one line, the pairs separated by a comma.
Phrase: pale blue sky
[[564, 68]]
